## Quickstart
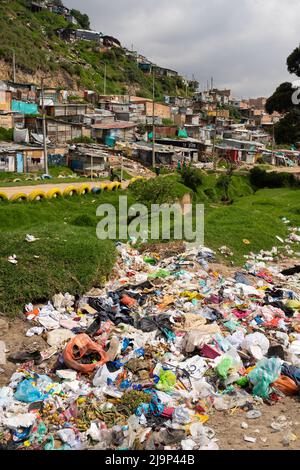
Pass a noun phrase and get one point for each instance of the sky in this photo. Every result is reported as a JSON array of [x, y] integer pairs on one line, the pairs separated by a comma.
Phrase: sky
[[242, 44]]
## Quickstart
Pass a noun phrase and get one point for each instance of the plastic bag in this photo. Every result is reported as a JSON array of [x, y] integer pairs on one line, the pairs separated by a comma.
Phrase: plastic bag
[[229, 362], [181, 415], [286, 385], [265, 373], [224, 366], [102, 375], [27, 392], [160, 274], [167, 381], [257, 344], [79, 347]]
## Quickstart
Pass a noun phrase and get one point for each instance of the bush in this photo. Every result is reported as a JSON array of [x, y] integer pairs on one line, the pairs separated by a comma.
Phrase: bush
[[192, 178], [259, 179], [6, 135], [223, 183], [157, 190], [83, 140], [167, 122]]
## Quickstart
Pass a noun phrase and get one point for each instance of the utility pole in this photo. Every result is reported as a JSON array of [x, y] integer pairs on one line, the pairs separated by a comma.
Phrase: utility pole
[[214, 142], [122, 166], [273, 139], [14, 64], [44, 130], [105, 80], [153, 122]]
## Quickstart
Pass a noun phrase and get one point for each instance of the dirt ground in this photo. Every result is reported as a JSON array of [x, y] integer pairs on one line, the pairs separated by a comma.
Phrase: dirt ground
[[229, 432], [15, 341]]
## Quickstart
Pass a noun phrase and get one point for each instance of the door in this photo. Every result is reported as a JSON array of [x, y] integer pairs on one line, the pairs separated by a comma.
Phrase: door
[[20, 163]]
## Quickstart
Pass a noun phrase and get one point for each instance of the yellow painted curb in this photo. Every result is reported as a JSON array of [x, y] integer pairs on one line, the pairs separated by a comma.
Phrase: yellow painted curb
[[133, 180], [54, 193], [37, 195], [112, 186], [3, 197], [84, 189], [19, 197], [70, 191]]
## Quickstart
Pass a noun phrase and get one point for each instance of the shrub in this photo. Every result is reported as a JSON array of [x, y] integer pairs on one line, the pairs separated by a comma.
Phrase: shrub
[[259, 178], [83, 140], [6, 134], [223, 183], [157, 190], [192, 178]]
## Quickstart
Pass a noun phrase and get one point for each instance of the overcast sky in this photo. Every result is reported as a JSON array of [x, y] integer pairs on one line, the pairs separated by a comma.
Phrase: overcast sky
[[243, 44]]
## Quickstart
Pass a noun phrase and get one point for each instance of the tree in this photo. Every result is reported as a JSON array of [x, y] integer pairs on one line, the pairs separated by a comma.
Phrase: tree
[[281, 100], [287, 130], [293, 62], [82, 19], [193, 86]]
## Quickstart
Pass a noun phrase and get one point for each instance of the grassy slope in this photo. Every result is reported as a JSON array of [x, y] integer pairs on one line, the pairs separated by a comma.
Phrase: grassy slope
[[38, 48], [256, 218], [73, 259]]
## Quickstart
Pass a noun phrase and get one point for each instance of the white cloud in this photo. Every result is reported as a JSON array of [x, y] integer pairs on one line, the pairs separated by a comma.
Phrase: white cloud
[[243, 44]]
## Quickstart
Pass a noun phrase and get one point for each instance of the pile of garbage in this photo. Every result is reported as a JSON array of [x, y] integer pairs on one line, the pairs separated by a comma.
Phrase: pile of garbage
[[143, 362]]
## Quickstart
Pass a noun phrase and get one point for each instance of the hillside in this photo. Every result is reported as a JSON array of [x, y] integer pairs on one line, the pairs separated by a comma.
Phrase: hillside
[[40, 52]]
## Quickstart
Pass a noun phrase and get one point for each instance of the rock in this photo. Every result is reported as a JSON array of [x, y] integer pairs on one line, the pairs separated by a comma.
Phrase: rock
[[3, 327], [2, 353], [253, 414], [57, 338]]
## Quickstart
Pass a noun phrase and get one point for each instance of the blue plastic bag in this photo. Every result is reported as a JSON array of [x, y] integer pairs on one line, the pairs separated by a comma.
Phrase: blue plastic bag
[[27, 392]]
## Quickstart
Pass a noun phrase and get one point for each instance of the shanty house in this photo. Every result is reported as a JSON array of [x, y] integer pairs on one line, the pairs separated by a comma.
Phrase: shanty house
[[84, 158], [110, 41], [58, 131], [67, 112], [111, 132], [20, 158]]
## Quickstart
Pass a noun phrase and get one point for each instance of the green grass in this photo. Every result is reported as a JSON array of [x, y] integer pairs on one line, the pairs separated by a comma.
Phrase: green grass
[[256, 218], [71, 258]]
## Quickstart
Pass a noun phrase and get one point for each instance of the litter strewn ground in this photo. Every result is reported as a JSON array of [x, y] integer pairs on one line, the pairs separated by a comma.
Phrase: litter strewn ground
[[172, 354]]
